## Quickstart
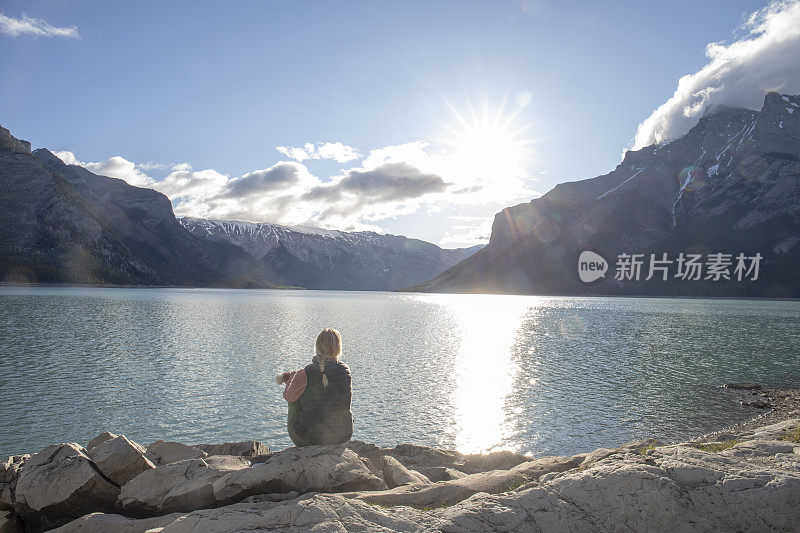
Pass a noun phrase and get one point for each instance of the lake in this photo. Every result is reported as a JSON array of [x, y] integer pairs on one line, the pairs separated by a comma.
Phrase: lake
[[542, 375]]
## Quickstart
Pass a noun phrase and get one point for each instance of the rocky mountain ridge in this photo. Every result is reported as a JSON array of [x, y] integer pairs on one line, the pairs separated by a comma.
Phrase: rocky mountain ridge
[[66, 224], [731, 185], [329, 259]]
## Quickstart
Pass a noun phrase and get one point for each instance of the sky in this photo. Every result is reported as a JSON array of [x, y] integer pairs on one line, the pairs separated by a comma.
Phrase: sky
[[416, 118]]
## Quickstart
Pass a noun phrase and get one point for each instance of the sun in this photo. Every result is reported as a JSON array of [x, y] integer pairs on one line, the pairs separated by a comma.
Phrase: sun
[[486, 133], [488, 146]]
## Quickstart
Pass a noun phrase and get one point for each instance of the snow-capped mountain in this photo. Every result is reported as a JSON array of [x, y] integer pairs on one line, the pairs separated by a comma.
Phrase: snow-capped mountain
[[329, 259], [731, 185]]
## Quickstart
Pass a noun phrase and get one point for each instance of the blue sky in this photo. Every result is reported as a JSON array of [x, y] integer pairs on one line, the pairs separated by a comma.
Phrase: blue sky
[[220, 86]]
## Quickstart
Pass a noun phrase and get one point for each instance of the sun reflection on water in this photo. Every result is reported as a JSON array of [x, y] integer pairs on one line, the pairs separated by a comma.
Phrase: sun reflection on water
[[485, 368]]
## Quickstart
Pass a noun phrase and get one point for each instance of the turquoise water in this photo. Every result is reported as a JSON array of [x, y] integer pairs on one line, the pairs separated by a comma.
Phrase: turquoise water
[[545, 375]]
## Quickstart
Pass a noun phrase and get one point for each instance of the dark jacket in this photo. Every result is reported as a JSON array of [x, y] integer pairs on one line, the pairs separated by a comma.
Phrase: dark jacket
[[322, 414]]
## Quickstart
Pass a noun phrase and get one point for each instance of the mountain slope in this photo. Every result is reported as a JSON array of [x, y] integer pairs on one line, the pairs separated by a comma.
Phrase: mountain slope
[[730, 185], [68, 225], [326, 259]]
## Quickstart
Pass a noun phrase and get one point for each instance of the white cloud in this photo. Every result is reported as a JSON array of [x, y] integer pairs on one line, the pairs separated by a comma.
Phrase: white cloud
[[15, 27], [737, 74], [390, 181], [337, 151], [68, 158], [114, 167]]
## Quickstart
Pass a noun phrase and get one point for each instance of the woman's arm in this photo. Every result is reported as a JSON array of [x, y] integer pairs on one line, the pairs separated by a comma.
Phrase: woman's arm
[[295, 386]]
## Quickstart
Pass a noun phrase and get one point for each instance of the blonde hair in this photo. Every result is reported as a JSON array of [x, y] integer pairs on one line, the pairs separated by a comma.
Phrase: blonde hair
[[328, 346]]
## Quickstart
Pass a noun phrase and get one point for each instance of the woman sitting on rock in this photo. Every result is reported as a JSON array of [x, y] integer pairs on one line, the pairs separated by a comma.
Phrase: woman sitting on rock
[[319, 396]]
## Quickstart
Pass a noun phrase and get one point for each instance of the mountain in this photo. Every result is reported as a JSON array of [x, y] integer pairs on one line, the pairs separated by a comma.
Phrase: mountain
[[730, 186], [64, 224], [327, 259]]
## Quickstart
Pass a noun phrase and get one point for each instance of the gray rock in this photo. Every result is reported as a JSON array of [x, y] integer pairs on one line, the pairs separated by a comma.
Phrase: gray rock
[[101, 438], [446, 492], [670, 488], [743, 386], [758, 403], [181, 486], [61, 483], [165, 452], [119, 458], [441, 473], [9, 469], [395, 474], [9, 523], [304, 469], [247, 448], [502, 460], [273, 497], [9, 472], [108, 523]]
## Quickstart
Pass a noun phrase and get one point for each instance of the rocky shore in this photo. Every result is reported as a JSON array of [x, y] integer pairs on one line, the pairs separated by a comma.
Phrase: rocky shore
[[746, 478]]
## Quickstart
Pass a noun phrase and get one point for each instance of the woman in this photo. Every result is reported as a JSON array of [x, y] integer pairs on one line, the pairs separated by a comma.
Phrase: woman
[[319, 396]]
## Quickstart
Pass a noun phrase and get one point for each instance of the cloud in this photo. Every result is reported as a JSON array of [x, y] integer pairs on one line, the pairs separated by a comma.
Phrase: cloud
[[337, 151], [389, 182], [278, 177], [114, 167], [737, 74], [26, 25]]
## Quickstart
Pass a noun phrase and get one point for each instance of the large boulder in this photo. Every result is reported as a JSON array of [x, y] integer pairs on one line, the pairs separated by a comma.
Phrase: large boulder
[[395, 474], [61, 483], [305, 469], [247, 448], [182, 486], [163, 452], [120, 459]]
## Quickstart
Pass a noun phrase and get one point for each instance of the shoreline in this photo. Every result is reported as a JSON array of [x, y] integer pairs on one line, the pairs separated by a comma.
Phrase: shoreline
[[115, 484], [291, 288], [785, 404]]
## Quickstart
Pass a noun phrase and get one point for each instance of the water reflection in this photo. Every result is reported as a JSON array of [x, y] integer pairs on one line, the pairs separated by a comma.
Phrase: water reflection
[[485, 369]]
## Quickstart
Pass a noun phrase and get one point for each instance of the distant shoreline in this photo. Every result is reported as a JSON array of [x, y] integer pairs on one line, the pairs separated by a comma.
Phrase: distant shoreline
[[554, 295]]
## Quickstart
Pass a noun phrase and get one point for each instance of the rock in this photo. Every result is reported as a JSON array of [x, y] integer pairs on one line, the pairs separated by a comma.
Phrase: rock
[[166, 452], [446, 492], [105, 523], [101, 438], [535, 469], [441, 473], [7, 496], [273, 497], [757, 403], [304, 469], [742, 386], [395, 474], [60, 483], [502, 460], [9, 523], [9, 469], [752, 486], [119, 458], [417, 457], [182, 486], [247, 448], [9, 472]]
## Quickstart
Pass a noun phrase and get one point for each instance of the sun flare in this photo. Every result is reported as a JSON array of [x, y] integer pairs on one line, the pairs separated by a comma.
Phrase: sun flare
[[489, 135]]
